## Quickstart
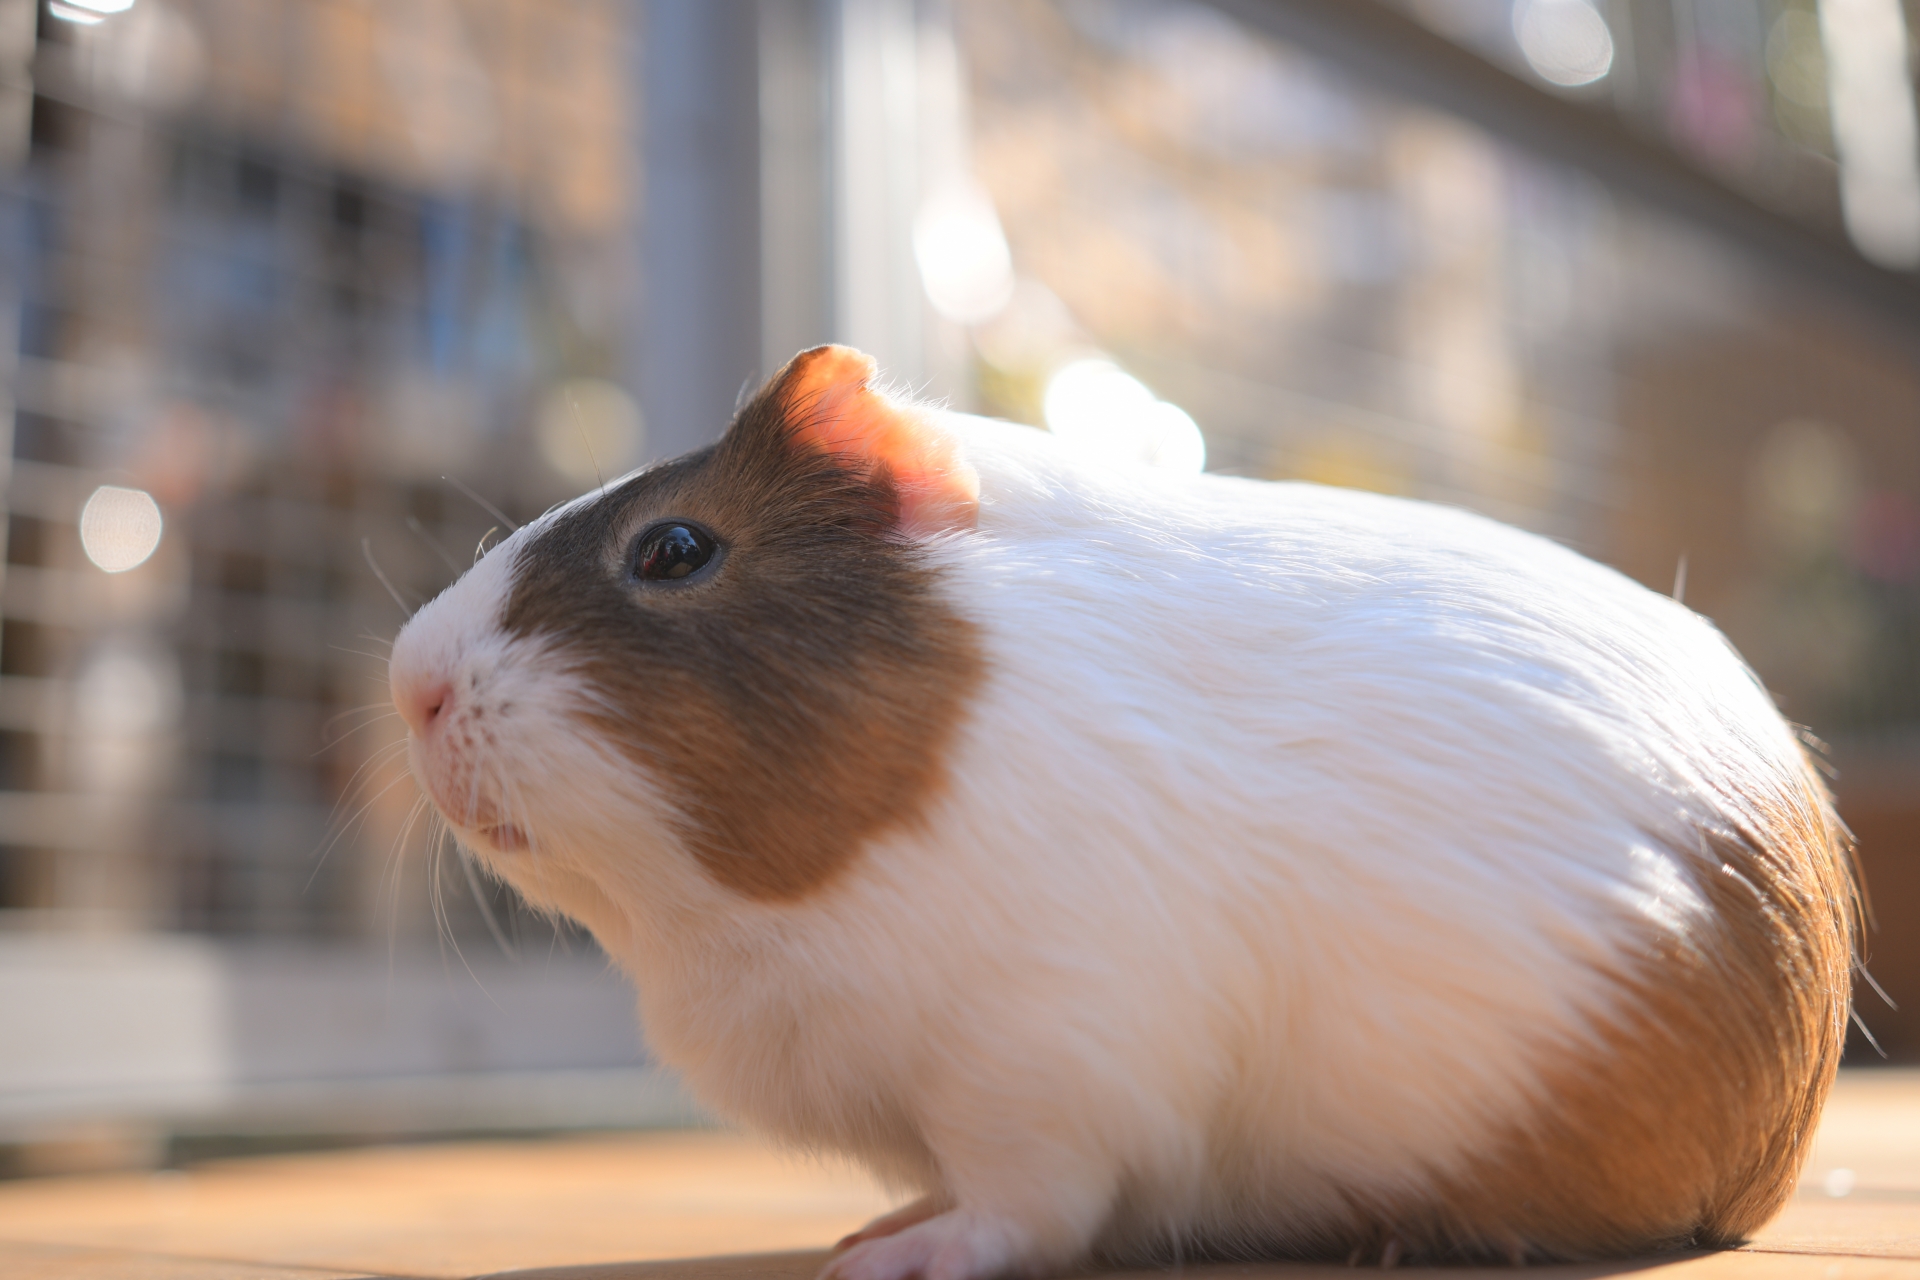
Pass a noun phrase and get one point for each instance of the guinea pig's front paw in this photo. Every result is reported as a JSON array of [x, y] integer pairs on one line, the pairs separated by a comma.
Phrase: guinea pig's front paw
[[955, 1245], [892, 1223]]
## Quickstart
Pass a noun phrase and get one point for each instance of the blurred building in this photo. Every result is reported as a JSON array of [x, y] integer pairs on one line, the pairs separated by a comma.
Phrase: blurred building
[[302, 300], [285, 284], [282, 267]]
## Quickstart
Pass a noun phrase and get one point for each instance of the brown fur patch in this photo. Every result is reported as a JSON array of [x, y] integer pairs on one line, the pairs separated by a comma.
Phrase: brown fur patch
[[797, 698], [1690, 1127]]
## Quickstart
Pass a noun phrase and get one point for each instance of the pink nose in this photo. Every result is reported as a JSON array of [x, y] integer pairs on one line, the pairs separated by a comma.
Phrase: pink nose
[[423, 702]]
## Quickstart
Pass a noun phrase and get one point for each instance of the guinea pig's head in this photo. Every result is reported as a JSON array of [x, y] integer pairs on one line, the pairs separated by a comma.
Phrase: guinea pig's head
[[738, 665]]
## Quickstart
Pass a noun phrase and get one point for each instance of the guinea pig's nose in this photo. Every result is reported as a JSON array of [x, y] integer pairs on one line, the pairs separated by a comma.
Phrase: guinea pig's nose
[[422, 702]]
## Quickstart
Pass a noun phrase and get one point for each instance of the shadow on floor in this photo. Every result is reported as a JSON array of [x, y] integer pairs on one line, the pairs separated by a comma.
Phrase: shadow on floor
[[806, 1265], [803, 1265]]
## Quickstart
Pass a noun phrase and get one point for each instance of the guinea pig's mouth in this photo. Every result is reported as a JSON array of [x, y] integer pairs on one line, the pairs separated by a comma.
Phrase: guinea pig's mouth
[[481, 822]]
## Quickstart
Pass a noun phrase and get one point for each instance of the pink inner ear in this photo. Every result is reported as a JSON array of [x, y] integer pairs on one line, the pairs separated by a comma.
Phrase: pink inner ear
[[831, 406]]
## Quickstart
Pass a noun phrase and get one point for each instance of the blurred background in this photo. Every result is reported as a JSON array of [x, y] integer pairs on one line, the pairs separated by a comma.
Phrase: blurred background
[[301, 301]]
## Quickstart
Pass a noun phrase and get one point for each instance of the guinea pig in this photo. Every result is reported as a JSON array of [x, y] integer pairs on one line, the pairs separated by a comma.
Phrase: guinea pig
[[1138, 867]]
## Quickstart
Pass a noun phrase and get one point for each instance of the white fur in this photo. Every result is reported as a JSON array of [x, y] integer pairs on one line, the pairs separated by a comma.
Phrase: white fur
[[1293, 829]]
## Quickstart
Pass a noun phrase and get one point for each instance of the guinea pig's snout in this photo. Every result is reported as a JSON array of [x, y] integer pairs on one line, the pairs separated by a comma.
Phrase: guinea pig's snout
[[423, 701]]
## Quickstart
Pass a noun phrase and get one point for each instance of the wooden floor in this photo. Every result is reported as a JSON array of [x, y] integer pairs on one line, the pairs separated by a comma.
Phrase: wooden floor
[[709, 1206]]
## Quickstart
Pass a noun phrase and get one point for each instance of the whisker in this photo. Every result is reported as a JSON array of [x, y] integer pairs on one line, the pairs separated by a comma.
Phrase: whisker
[[554, 920], [442, 931], [1875, 984], [366, 549], [483, 504], [374, 759], [346, 828], [446, 934], [510, 802], [342, 827], [396, 862], [1861, 1023], [378, 713], [395, 855], [382, 705], [421, 531], [486, 908], [377, 657], [573, 405]]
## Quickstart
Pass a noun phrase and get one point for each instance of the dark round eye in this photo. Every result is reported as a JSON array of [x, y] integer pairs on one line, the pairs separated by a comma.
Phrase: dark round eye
[[670, 551]]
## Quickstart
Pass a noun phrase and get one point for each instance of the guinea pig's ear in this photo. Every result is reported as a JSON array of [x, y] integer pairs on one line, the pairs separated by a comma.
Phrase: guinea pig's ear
[[827, 403]]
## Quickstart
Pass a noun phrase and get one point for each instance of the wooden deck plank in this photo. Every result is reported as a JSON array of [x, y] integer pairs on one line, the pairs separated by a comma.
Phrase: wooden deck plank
[[718, 1206], [61, 1262], [455, 1210]]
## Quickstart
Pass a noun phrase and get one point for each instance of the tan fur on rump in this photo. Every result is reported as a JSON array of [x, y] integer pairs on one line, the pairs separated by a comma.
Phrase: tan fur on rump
[[1691, 1128], [797, 701]]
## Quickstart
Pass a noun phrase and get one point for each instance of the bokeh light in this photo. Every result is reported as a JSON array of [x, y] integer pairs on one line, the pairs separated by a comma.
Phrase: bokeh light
[[126, 695], [87, 12], [590, 430], [1875, 129], [1805, 483], [1565, 41], [962, 254], [1103, 410], [120, 528]]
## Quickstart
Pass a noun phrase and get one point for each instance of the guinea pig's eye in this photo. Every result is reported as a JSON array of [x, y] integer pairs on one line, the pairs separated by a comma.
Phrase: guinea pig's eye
[[668, 552]]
